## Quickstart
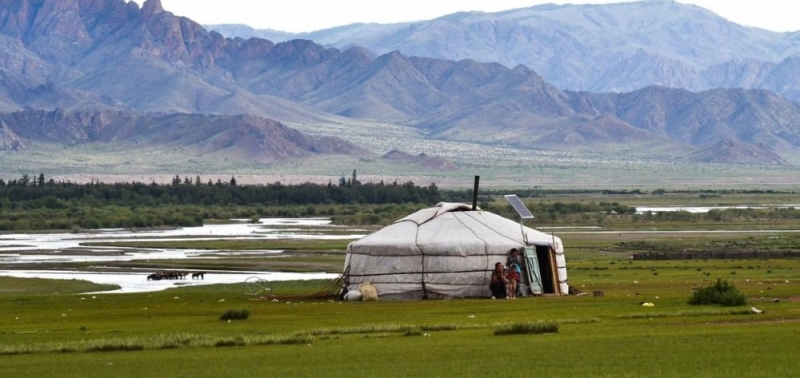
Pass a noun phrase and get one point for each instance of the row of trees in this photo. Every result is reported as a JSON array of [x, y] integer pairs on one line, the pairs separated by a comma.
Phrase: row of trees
[[61, 195], [40, 204]]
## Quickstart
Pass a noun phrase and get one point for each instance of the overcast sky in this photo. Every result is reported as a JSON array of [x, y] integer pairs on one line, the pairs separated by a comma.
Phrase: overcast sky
[[310, 15]]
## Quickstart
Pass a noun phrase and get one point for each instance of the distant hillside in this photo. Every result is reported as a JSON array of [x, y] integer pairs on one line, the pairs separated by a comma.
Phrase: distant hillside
[[732, 151], [244, 137], [599, 48], [423, 161], [106, 71], [110, 54]]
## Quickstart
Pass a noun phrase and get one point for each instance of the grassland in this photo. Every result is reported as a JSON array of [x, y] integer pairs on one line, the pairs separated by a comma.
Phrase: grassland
[[499, 166], [47, 330], [178, 332]]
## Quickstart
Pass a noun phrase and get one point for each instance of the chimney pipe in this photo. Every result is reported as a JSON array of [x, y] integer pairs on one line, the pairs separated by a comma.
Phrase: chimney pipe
[[475, 193]]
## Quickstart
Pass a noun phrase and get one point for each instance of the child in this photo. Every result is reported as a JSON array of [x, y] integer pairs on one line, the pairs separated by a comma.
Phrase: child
[[513, 278]]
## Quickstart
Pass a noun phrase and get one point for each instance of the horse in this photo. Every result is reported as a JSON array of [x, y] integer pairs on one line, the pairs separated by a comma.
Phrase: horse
[[198, 275], [154, 277]]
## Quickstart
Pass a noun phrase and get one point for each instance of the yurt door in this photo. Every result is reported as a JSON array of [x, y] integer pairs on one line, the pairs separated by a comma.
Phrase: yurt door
[[532, 267]]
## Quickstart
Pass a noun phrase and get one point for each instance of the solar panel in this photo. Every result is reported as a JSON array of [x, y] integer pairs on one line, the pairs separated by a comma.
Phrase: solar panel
[[517, 204]]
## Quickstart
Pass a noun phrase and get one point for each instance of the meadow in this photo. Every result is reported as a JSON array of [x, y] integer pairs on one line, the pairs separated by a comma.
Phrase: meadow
[[55, 328], [51, 329]]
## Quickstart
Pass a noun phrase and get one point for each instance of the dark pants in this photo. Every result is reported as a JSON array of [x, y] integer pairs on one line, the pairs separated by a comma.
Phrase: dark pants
[[498, 290]]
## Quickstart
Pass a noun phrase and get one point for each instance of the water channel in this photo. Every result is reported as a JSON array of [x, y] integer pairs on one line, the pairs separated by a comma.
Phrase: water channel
[[52, 249]]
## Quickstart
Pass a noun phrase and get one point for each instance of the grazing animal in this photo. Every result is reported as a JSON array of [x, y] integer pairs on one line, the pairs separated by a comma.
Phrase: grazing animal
[[154, 277], [199, 275], [598, 293]]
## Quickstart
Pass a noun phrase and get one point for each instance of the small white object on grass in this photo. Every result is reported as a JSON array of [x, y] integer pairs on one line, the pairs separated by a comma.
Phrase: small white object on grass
[[471, 316], [222, 300], [756, 311]]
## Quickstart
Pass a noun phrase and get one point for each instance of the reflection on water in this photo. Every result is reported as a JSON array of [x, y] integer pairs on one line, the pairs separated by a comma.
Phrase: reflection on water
[[55, 248], [705, 209]]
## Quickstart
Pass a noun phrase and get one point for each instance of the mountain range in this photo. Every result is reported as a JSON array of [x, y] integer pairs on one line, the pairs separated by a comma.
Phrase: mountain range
[[596, 47], [107, 71]]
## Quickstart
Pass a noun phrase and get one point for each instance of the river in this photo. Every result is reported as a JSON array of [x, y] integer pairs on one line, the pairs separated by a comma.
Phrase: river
[[55, 248]]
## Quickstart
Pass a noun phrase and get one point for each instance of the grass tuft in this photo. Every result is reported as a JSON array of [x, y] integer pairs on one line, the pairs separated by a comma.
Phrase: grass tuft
[[114, 345], [526, 328], [235, 315], [646, 315], [280, 340], [230, 342]]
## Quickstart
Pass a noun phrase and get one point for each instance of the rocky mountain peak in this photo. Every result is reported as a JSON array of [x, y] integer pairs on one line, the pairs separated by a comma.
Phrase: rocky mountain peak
[[152, 8], [49, 26]]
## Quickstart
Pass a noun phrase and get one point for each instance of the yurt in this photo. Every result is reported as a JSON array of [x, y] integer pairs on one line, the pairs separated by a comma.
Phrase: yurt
[[449, 251]]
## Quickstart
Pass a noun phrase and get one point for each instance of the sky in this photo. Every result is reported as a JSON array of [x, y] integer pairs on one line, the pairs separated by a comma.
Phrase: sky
[[310, 15]]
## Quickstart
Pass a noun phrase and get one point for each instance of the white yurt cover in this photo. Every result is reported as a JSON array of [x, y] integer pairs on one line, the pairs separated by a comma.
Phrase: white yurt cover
[[444, 251]]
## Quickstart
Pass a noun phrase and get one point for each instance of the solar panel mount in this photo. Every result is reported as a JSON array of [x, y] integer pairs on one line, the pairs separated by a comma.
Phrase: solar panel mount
[[517, 204]]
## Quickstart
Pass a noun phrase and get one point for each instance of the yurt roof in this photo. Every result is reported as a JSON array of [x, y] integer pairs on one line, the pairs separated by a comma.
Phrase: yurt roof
[[448, 227]]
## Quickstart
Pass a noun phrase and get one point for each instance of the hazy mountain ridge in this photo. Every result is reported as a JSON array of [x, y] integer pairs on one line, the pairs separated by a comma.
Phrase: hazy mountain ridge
[[599, 48], [128, 60], [243, 137], [145, 59]]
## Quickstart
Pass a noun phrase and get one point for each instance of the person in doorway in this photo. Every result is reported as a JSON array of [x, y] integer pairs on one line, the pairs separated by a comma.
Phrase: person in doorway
[[498, 282], [514, 262], [513, 278]]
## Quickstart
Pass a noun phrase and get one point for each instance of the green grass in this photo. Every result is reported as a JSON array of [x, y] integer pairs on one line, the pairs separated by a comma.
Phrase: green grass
[[11, 285], [46, 331], [179, 330]]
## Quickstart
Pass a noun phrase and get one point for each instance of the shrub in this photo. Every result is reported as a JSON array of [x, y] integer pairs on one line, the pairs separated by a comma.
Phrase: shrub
[[235, 315], [526, 328], [720, 293], [230, 342]]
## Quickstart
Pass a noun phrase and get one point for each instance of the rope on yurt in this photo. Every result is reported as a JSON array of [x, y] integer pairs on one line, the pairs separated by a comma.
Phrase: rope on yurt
[[495, 231], [333, 289], [422, 266], [485, 244]]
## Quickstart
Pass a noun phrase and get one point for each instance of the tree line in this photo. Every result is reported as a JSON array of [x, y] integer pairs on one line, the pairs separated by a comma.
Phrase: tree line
[[27, 193], [36, 203]]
